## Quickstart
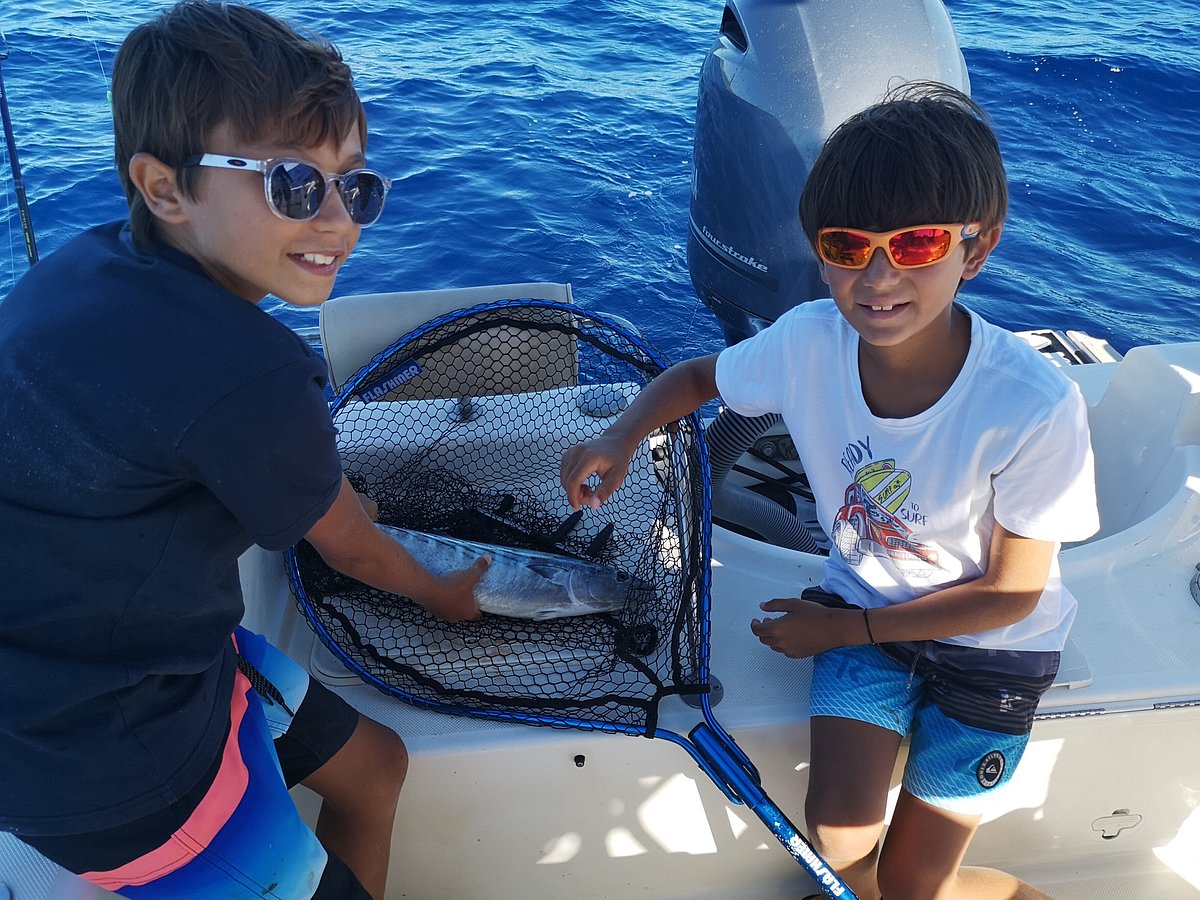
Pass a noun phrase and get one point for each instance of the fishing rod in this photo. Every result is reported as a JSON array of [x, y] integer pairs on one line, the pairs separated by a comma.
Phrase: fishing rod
[[15, 164]]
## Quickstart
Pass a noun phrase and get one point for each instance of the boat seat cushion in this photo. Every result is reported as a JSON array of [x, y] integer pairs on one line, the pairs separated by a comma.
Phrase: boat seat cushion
[[354, 329]]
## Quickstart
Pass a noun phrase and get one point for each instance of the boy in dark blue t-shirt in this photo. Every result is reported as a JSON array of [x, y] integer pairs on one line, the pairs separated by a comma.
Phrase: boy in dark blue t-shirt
[[156, 423]]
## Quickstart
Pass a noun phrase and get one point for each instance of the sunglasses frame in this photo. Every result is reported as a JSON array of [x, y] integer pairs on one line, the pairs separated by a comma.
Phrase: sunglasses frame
[[958, 233], [266, 166]]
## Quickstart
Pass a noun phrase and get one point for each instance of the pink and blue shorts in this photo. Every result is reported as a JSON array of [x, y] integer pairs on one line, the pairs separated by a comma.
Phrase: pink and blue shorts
[[238, 833]]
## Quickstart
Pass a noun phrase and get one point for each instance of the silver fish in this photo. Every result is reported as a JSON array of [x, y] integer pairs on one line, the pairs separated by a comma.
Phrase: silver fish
[[524, 584]]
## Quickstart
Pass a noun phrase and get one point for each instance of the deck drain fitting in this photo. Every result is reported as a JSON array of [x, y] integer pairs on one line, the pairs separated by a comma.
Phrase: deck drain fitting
[[1112, 826]]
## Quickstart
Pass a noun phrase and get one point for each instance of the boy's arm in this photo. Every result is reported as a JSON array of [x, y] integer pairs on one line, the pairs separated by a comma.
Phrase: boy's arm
[[1017, 571], [677, 392], [348, 541]]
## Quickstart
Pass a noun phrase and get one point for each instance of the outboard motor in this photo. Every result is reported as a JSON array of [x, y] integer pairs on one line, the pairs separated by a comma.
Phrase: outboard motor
[[780, 77]]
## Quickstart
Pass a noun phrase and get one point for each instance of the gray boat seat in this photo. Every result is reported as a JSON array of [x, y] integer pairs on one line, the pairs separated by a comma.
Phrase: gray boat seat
[[355, 328]]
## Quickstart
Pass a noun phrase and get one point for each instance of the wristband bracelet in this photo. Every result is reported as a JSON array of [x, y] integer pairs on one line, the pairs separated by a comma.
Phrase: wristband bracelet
[[867, 622]]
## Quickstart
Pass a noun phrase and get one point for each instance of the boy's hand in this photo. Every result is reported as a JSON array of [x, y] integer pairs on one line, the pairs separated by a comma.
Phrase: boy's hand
[[454, 600], [673, 394], [807, 628], [348, 541], [606, 457]]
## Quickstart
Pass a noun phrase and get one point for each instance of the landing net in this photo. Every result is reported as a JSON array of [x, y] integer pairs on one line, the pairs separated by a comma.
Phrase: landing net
[[458, 428]]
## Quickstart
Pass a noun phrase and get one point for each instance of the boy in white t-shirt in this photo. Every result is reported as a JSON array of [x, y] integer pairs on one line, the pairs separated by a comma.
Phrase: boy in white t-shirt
[[949, 462]]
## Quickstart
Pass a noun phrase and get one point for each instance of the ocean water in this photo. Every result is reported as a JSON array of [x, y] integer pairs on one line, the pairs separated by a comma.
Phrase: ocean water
[[551, 140]]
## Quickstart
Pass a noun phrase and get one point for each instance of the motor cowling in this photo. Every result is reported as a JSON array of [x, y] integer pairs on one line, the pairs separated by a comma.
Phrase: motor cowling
[[779, 78]]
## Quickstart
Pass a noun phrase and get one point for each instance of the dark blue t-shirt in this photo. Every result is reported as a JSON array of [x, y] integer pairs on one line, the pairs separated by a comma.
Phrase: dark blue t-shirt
[[152, 427]]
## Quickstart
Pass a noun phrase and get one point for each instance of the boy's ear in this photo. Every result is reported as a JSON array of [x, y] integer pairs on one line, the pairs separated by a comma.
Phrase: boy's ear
[[155, 181], [981, 250]]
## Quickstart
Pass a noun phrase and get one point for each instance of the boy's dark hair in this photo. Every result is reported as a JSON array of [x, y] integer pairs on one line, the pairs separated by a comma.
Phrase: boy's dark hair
[[923, 155], [201, 63]]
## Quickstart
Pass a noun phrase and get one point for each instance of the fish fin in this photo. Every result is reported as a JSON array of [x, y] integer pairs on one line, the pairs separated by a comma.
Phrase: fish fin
[[551, 572]]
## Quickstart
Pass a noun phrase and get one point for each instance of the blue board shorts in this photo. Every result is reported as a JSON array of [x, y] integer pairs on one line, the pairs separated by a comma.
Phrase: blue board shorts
[[241, 835], [969, 710]]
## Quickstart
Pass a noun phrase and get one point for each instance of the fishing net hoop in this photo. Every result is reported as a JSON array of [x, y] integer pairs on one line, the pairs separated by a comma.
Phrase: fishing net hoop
[[443, 381]]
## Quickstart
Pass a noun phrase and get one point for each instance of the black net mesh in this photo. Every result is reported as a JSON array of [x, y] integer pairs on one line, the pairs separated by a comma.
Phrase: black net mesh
[[458, 429]]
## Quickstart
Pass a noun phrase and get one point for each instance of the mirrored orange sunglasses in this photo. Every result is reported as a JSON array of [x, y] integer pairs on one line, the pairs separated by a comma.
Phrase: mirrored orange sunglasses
[[907, 248]]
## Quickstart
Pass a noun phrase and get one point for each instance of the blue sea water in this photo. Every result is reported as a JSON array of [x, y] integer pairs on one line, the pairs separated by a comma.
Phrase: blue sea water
[[551, 140]]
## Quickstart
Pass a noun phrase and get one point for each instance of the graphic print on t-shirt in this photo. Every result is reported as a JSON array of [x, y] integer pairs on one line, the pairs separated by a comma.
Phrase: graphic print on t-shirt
[[867, 524]]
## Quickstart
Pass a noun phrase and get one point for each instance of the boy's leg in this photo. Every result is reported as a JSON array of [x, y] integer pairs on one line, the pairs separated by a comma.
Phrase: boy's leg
[[359, 787], [923, 851], [967, 741], [356, 765], [922, 858], [850, 774], [861, 704]]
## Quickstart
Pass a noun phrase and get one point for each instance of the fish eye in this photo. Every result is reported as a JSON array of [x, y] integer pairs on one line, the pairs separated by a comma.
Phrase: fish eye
[[622, 576]]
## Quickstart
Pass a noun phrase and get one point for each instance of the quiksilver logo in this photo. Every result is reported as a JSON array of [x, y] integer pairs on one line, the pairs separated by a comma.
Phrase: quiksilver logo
[[990, 769]]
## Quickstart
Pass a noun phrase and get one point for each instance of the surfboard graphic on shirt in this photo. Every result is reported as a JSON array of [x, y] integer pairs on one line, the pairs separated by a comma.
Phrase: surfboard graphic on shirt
[[867, 524]]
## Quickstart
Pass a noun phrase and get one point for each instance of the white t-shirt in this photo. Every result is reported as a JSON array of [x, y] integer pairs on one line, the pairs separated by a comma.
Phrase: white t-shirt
[[910, 504]]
